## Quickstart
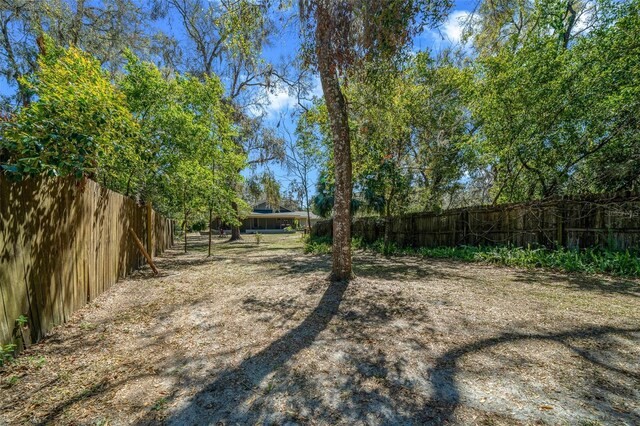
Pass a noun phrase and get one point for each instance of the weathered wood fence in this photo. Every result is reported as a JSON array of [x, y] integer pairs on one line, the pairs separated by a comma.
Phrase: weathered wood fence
[[609, 220], [62, 243]]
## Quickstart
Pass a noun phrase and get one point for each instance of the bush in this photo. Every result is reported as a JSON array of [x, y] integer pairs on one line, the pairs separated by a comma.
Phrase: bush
[[198, 226], [317, 245]]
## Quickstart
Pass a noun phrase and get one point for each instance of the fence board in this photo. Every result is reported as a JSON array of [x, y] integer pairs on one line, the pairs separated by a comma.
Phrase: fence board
[[62, 243], [606, 220]]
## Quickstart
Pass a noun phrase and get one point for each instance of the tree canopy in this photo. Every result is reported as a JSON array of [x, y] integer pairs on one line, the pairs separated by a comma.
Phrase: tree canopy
[[538, 99], [167, 140]]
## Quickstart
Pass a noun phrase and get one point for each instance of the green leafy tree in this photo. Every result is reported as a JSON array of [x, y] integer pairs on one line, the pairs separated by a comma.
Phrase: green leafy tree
[[342, 35], [410, 130], [103, 29], [79, 125], [552, 113], [304, 155], [190, 161]]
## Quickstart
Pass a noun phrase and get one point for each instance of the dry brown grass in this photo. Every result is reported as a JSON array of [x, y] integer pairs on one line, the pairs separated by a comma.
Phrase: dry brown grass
[[256, 334]]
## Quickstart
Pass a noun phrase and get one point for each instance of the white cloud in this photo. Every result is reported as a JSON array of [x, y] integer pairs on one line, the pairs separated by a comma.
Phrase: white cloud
[[454, 25], [584, 20], [281, 100], [447, 35]]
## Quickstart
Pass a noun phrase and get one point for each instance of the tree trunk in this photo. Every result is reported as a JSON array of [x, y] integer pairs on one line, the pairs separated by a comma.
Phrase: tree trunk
[[210, 220], [23, 92], [76, 26], [185, 210], [306, 198], [337, 109], [185, 234], [235, 230], [213, 194]]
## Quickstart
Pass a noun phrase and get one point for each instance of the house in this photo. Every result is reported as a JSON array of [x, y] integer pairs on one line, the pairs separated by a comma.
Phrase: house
[[264, 218]]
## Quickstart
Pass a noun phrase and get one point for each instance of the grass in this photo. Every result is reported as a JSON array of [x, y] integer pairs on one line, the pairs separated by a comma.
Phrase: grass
[[591, 260]]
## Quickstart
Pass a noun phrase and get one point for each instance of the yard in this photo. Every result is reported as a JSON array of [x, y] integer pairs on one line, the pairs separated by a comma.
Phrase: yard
[[256, 334]]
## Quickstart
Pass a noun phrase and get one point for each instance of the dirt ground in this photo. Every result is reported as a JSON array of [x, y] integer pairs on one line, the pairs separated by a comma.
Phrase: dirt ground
[[257, 335]]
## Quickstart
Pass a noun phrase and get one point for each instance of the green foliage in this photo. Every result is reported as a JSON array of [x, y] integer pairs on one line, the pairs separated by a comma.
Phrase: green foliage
[[317, 245], [258, 237], [410, 133], [360, 31], [37, 362], [271, 190], [557, 109], [189, 162], [78, 123], [160, 404], [168, 140], [22, 321], [544, 103], [322, 202], [198, 226], [6, 353], [304, 156], [590, 261], [12, 380]]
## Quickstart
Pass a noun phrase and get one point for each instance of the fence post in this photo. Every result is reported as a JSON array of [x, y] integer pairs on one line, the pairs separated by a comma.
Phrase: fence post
[[601, 233], [150, 229], [561, 234], [465, 227]]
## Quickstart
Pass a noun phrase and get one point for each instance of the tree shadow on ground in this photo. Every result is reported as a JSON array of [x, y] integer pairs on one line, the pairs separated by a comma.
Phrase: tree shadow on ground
[[242, 380], [446, 367], [238, 395], [365, 266], [235, 395], [393, 402], [399, 396], [581, 282], [401, 268]]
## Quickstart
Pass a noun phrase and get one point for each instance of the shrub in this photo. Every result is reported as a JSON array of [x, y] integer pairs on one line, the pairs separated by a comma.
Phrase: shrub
[[317, 245]]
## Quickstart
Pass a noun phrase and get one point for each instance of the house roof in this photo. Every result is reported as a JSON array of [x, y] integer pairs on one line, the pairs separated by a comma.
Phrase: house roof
[[300, 214], [264, 207]]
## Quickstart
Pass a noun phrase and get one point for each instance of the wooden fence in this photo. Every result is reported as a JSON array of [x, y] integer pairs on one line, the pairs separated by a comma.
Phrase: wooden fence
[[62, 243], [609, 220]]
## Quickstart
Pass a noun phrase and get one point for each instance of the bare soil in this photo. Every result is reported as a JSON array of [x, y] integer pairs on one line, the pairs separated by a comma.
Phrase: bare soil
[[257, 335]]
